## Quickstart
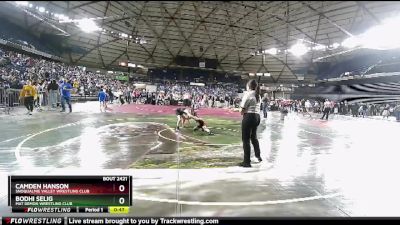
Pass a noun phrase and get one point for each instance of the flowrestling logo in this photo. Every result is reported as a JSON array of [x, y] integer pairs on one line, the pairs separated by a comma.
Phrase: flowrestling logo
[[36, 220], [108, 221], [48, 210]]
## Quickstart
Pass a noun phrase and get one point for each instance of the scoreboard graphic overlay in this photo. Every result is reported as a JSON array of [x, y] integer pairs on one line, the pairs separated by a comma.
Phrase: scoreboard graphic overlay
[[70, 194]]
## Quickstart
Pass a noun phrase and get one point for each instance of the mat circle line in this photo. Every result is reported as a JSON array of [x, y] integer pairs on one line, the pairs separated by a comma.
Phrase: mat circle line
[[17, 150], [250, 203]]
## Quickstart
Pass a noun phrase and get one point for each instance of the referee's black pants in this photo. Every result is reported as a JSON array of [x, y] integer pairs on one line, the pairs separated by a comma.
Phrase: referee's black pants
[[250, 123], [326, 113]]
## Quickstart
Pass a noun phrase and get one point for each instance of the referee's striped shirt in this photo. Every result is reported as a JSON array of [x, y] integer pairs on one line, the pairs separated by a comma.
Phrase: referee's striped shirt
[[249, 102]]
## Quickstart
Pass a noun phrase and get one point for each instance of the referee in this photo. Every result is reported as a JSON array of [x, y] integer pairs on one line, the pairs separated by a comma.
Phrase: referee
[[250, 109]]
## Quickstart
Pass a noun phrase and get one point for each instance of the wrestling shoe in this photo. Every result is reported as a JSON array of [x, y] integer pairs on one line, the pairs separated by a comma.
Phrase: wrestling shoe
[[211, 133], [259, 159]]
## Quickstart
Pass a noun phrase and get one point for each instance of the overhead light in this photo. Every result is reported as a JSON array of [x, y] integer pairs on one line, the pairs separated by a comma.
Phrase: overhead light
[[298, 49], [319, 47], [272, 51], [259, 74], [124, 35], [383, 36], [122, 63], [87, 25], [42, 9], [22, 3], [197, 84], [98, 71], [130, 36], [267, 74], [30, 5], [142, 41], [251, 74], [335, 45], [351, 42], [131, 65], [110, 72], [47, 12], [63, 18]]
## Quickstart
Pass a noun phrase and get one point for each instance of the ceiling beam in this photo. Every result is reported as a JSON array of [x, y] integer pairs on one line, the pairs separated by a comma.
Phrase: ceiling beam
[[362, 5], [234, 38], [224, 29], [315, 40], [179, 29], [94, 48], [83, 4], [156, 34], [327, 18], [114, 60], [137, 29], [202, 21], [264, 12], [100, 34], [247, 38]]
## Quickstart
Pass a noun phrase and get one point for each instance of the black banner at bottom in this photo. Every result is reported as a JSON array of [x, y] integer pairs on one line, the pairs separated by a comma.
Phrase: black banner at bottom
[[213, 221], [182, 220]]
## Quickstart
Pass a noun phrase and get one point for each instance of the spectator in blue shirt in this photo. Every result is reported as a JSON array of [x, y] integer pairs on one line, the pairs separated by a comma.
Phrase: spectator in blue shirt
[[102, 99], [66, 88]]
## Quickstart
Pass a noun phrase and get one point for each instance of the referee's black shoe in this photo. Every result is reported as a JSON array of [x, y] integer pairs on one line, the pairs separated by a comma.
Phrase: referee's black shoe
[[242, 164]]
